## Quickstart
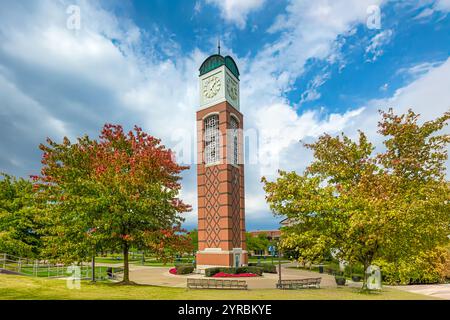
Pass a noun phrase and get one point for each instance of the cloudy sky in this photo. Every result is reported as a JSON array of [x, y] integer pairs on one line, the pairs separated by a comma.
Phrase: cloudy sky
[[307, 67]]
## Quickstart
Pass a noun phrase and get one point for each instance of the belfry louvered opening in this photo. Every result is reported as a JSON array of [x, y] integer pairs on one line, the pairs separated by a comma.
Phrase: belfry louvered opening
[[212, 139]]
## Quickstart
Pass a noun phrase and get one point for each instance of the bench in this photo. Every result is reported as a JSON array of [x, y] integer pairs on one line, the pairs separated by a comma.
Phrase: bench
[[216, 284], [299, 283]]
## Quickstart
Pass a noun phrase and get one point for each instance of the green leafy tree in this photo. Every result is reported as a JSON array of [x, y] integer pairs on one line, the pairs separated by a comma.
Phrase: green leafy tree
[[72, 201], [193, 234], [256, 243], [168, 243], [119, 192], [18, 225], [367, 206]]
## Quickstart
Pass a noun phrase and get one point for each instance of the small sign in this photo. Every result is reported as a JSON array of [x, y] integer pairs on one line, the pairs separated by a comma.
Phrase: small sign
[[374, 278]]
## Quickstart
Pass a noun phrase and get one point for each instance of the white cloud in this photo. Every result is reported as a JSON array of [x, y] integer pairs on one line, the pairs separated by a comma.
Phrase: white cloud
[[375, 49], [429, 7], [197, 7], [98, 74], [56, 82], [425, 13], [427, 95], [419, 69], [281, 126], [442, 5], [312, 93], [308, 29], [236, 11]]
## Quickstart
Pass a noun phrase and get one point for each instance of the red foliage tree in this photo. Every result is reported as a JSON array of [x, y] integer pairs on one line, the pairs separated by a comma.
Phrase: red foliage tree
[[126, 185]]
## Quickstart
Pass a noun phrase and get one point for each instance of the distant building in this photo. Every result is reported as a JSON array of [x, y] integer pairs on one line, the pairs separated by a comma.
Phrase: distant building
[[288, 222], [270, 234]]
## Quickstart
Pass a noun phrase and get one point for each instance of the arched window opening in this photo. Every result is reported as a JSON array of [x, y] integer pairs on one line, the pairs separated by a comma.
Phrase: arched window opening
[[234, 139], [212, 146]]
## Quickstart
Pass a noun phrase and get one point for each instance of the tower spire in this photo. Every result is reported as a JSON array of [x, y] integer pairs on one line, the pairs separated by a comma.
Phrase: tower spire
[[218, 45]]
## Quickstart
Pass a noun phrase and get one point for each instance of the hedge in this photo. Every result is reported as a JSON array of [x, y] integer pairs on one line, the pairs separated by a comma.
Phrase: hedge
[[209, 272], [185, 269], [250, 269], [267, 267], [428, 267], [354, 269], [184, 264]]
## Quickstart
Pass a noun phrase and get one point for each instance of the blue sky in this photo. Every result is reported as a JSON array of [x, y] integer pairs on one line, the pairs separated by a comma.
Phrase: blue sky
[[307, 67]]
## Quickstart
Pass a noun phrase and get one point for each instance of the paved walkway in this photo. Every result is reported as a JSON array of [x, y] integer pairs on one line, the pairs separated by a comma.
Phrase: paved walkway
[[435, 290], [160, 276]]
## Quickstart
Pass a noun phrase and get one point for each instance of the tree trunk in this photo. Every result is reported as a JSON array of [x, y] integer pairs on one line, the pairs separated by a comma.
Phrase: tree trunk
[[366, 265], [126, 273]]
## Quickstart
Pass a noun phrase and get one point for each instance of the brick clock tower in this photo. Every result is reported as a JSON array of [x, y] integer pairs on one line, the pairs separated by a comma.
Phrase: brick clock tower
[[220, 169]]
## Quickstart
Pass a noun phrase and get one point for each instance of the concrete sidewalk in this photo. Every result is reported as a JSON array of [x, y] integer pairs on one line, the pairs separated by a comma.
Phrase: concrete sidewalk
[[435, 290], [160, 276]]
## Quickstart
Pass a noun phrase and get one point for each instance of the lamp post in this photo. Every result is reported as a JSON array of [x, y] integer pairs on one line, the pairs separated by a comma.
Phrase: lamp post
[[279, 265], [93, 264], [90, 233]]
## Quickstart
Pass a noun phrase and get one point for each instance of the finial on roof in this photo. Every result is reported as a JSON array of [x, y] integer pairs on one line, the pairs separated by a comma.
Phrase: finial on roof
[[218, 45]]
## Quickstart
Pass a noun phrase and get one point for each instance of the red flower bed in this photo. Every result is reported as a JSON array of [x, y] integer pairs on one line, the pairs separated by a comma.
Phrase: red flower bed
[[228, 275], [173, 271]]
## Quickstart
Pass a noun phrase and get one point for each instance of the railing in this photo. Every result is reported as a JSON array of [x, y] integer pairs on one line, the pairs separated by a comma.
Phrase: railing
[[40, 268]]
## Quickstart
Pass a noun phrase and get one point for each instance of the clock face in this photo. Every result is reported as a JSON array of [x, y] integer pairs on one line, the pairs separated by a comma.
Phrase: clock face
[[211, 87], [232, 89]]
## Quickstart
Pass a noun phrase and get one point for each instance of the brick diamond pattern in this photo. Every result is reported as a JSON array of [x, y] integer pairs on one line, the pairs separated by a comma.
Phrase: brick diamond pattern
[[235, 208], [212, 206]]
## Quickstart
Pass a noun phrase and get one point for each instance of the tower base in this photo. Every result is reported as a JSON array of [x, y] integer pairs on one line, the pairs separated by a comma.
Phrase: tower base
[[211, 258]]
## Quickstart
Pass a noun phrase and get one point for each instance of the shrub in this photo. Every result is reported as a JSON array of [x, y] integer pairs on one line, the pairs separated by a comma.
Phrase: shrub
[[226, 275], [180, 264], [269, 268], [185, 269], [357, 277], [231, 270], [334, 271], [209, 272], [426, 267], [253, 269], [340, 280], [249, 269], [353, 269]]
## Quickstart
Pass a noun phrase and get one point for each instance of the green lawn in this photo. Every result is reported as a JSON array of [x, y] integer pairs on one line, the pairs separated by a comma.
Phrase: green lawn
[[153, 262], [268, 260], [100, 272], [20, 287], [149, 261]]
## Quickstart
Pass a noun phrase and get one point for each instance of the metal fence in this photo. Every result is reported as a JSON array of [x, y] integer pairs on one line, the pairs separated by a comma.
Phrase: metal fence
[[40, 268]]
